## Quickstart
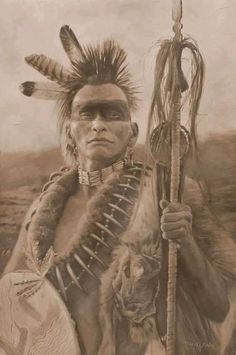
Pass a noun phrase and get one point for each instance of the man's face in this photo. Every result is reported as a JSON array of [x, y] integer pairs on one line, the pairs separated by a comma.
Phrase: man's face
[[100, 123]]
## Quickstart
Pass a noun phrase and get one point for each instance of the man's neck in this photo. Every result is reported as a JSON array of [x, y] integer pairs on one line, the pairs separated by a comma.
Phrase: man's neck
[[95, 177], [92, 165]]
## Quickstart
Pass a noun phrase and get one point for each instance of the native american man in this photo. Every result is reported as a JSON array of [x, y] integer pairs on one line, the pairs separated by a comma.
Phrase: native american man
[[71, 229]]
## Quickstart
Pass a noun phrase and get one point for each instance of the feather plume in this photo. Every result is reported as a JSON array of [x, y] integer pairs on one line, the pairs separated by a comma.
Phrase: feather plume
[[49, 68], [71, 45], [42, 90], [101, 64]]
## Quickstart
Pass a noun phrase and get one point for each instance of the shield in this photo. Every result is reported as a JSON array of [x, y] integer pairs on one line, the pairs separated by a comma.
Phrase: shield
[[34, 320]]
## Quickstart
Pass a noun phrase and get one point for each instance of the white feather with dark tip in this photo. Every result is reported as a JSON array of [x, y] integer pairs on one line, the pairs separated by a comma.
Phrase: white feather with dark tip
[[70, 44], [49, 68], [42, 90]]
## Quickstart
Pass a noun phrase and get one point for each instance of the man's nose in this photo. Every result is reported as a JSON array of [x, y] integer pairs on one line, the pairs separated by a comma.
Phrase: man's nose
[[98, 124]]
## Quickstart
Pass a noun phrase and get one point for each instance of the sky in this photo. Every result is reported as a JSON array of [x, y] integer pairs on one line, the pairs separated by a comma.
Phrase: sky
[[32, 26]]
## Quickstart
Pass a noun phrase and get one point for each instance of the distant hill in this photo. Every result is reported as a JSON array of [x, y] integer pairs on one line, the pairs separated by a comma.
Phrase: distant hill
[[23, 174], [33, 168], [27, 168]]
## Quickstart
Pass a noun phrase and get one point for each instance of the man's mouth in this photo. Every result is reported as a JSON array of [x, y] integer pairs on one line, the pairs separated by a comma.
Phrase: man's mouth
[[99, 140]]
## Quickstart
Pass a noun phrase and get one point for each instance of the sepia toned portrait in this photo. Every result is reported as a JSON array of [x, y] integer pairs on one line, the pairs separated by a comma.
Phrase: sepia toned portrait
[[118, 177]]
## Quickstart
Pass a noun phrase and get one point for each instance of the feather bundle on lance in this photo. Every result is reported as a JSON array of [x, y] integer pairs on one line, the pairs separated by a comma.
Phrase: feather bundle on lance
[[168, 76], [100, 64]]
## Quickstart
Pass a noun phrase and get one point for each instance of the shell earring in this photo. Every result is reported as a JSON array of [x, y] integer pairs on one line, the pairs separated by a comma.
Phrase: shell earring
[[71, 146], [129, 155], [75, 152]]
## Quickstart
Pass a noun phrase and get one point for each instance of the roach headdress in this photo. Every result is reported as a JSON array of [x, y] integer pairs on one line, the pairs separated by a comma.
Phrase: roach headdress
[[101, 64]]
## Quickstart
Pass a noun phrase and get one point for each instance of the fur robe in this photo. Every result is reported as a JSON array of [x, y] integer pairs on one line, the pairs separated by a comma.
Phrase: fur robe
[[196, 334]]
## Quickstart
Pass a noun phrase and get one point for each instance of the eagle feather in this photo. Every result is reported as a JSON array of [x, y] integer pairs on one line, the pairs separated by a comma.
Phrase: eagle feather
[[42, 90], [49, 68], [70, 44]]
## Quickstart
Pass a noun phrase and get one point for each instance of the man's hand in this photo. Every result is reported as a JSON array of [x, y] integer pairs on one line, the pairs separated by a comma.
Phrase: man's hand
[[176, 222], [208, 285]]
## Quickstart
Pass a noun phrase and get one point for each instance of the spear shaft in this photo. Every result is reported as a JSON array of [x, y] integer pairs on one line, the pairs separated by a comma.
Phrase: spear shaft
[[174, 189], [172, 256], [169, 141]]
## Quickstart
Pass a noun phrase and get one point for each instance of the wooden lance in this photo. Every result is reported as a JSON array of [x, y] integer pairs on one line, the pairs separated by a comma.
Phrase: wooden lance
[[169, 140]]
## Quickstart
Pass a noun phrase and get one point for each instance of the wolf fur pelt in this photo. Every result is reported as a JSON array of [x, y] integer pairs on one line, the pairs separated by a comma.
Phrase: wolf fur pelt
[[214, 222], [219, 169]]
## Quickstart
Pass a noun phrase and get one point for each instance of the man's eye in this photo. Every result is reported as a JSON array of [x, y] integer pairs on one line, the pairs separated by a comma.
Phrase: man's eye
[[86, 115], [114, 114]]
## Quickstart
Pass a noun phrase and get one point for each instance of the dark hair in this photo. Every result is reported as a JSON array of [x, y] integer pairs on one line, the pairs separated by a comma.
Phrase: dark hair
[[90, 65], [102, 64]]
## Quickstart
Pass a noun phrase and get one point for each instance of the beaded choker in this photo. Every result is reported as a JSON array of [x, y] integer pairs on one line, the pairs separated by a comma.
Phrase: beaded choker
[[97, 177]]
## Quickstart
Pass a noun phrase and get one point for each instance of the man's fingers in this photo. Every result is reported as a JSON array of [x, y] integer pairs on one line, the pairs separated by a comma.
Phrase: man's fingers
[[174, 226], [175, 207], [164, 204], [176, 235], [176, 216]]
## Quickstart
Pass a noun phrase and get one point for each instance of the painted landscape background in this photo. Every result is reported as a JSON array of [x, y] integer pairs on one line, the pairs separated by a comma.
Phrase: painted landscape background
[[30, 125], [22, 176]]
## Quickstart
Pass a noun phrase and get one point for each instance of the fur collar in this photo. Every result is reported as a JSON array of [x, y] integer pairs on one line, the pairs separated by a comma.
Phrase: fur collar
[[119, 189]]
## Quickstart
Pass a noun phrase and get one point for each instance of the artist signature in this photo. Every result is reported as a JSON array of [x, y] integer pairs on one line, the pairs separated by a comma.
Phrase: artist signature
[[199, 346]]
